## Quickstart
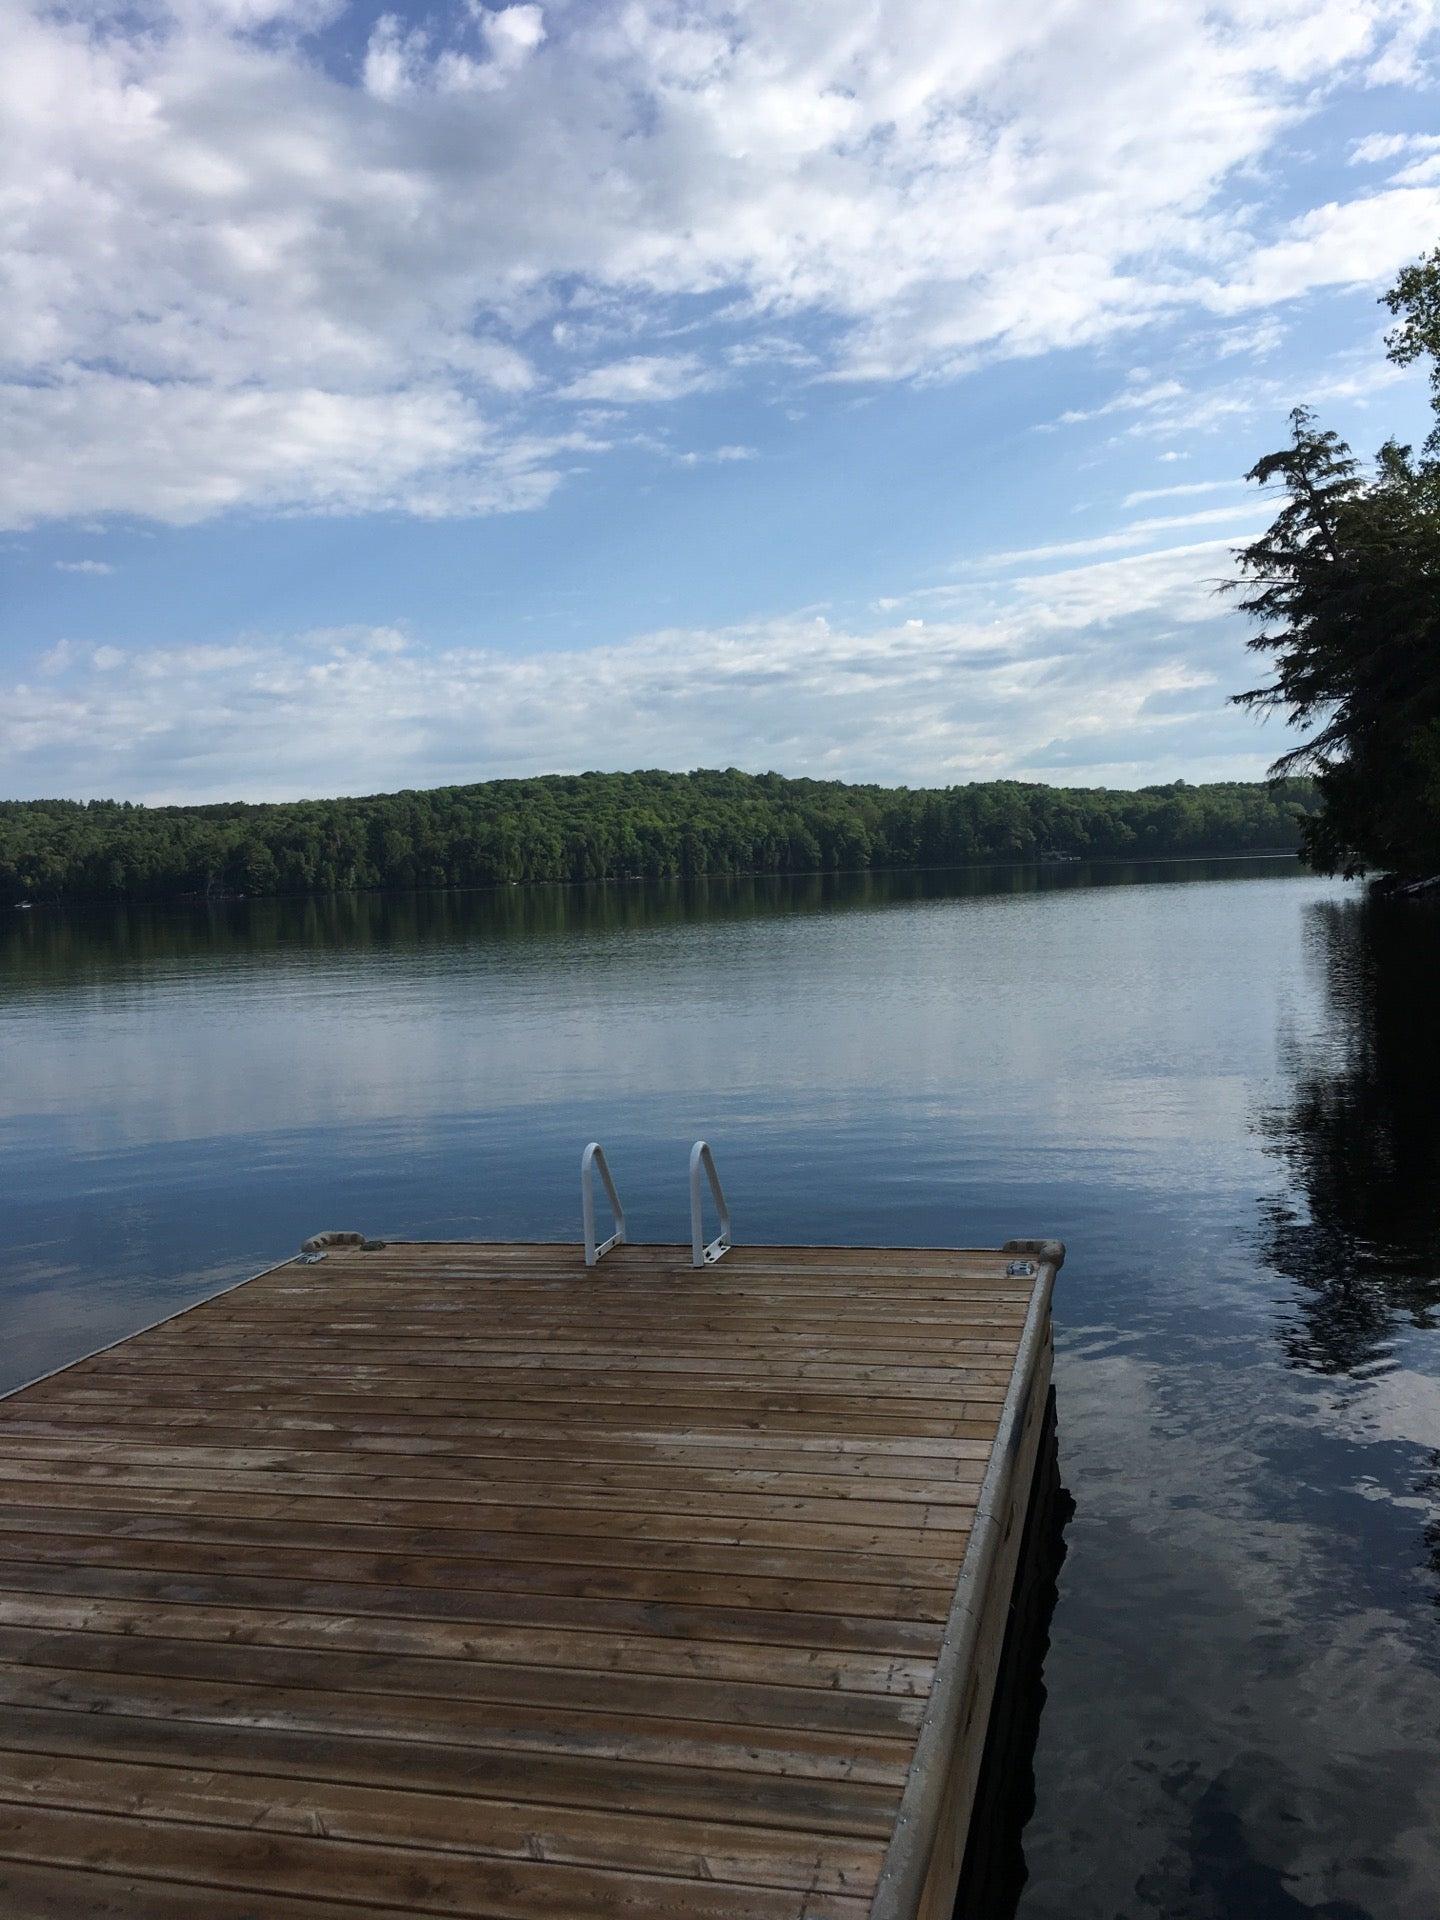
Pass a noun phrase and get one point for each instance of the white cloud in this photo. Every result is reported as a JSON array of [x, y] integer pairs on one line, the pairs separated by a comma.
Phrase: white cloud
[[1126, 649], [1137, 533], [395, 57], [1170, 407], [643, 377], [1348, 243], [511, 33], [181, 452], [1422, 151], [210, 213], [401, 59], [1376, 148], [1253, 342], [1184, 489], [1168, 586], [720, 456], [83, 566], [1139, 395]]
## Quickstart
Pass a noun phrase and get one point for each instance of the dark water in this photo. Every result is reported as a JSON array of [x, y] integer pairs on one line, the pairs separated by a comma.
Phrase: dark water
[[1220, 1085]]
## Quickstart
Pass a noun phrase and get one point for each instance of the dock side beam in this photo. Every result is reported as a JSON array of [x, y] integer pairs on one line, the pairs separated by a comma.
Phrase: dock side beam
[[703, 1254], [592, 1158], [921, 1870]]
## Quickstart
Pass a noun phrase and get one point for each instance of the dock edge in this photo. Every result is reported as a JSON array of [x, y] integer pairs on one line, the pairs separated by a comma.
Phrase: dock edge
[[921, 1871]]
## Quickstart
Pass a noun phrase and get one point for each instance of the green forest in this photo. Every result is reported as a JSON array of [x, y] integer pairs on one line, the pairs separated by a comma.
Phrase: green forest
[[613, 826]]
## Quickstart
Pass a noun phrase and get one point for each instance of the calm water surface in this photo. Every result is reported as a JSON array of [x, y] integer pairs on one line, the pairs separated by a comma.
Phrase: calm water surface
[[1219, 1084]]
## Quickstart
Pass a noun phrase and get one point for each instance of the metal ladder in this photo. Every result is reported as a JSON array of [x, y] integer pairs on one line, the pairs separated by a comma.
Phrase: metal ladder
[[703, 1253]]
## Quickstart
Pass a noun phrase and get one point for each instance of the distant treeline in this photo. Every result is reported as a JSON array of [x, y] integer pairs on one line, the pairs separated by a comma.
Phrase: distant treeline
[[607, 826]]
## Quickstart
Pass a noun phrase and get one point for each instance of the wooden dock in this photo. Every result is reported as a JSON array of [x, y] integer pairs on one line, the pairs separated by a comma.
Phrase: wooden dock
[[458, 1579]]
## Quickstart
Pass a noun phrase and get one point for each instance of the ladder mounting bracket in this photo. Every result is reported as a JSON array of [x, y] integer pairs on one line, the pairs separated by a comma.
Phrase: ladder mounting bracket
[[703, 1253], [591, 1159]]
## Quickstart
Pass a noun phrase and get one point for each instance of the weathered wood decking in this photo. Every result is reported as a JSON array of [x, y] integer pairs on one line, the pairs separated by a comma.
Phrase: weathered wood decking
[[461, 1580]]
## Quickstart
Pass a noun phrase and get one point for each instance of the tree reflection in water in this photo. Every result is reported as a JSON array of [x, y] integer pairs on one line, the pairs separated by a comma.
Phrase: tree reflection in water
[[1359, 1230]]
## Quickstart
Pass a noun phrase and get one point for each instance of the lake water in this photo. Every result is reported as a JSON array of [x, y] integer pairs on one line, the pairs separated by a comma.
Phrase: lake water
[[1219, 1083]]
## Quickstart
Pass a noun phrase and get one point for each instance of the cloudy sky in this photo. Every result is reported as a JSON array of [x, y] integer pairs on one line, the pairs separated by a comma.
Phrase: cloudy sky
[[850, 387]]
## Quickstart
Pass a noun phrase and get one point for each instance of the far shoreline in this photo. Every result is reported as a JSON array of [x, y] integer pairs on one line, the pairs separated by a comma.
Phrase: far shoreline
[[1073, 866]]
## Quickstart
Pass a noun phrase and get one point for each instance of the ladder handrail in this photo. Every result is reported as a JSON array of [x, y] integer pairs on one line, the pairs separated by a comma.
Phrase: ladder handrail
[[702, 1255], [590, 1159]]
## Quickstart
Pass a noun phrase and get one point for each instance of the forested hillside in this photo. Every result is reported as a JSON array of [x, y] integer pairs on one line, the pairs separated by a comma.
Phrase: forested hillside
[[610, 826]]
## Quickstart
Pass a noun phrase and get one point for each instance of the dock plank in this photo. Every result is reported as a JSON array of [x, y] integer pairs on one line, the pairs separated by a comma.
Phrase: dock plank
[[456, 1579]]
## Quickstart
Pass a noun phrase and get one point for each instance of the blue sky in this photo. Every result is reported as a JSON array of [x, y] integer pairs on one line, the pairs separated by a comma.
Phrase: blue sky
[[855, 390]]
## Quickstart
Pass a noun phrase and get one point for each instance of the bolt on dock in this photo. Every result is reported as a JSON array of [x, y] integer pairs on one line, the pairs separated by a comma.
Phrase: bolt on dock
[[473, 1580]]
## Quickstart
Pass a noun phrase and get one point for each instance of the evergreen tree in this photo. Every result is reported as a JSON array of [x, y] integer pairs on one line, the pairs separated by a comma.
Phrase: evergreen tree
[[1345, 586]]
